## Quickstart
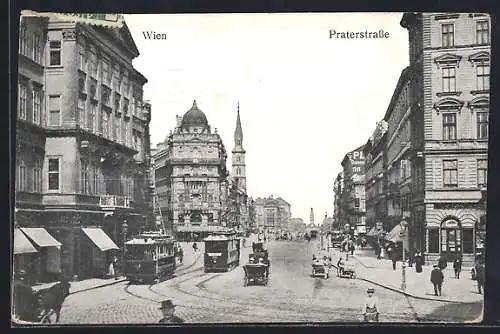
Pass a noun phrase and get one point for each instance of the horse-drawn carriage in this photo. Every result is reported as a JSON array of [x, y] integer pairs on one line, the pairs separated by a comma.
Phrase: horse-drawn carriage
[[257, 269], [39, 306]]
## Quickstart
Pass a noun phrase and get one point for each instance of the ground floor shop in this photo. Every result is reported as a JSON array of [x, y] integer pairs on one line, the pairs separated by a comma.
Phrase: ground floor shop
[[451, 231], [76, 244]]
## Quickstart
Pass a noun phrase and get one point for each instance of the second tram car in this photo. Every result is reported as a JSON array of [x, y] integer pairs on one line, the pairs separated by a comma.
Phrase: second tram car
[[222, 253], [149, 257]]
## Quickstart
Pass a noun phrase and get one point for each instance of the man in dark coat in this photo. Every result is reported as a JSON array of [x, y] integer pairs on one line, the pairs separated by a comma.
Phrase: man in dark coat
[[168, 309], [480, 276], [418, 261], [457, 266], [25, 301], [437, 278]]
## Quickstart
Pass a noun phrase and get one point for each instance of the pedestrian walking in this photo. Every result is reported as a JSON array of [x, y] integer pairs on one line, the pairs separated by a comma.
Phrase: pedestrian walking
[[480, 276], [394, 260], [195, 247], [180, 253], [112, 268], [168, 310], [351, 248], [457, 266], [419, 261], [437, 279]]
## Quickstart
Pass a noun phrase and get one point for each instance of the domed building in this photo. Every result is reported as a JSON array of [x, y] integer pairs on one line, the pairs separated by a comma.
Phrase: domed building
[[191, 177]]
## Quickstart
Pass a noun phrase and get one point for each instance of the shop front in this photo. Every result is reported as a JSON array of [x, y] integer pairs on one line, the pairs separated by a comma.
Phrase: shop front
[[96, 251], [48, 262], [25, 255], [450, 239]]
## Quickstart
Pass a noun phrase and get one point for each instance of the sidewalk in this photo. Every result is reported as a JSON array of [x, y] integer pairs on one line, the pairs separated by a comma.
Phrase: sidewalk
[[418, 285], [190, 258]]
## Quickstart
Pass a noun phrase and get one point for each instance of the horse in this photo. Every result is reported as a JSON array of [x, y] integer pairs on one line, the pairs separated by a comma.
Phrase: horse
[[52, 299]]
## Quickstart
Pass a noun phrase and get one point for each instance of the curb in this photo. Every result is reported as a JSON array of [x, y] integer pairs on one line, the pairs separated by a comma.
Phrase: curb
[[99, 286]]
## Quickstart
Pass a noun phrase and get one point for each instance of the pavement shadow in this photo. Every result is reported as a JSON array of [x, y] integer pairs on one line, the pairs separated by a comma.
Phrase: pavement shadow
[[463, 312]]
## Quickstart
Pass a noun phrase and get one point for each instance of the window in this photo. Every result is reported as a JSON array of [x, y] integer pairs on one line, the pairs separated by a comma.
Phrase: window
[[482, 173], [447, 31], [449, 79], [483, 76], [111, 127], [93, 117], [54, 174], [105, 124], [95, 179], [37, 48], [450, 126], [21, 177], [468, 241], [81, 112], [117, 129], [54, 110], [93, 65], [82, 61], [125, 107], [433, 240], [23, 41], [37, 106], [55, 53], [482, 32], [238, 171], [450, 173], [356, 202], [125, 133], [482, 125], [106, 73], [22, 100], [37, 176]]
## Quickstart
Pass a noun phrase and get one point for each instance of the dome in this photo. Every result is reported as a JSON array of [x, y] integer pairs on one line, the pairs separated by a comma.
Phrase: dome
[[194, 117]]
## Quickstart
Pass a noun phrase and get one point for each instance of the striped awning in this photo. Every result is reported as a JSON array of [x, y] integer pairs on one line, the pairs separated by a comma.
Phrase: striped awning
[[395, 234], [99, 238], [40, 237], [22, 245]]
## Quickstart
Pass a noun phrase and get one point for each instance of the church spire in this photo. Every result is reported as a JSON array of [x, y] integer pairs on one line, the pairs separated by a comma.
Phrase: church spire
[[238, 132]]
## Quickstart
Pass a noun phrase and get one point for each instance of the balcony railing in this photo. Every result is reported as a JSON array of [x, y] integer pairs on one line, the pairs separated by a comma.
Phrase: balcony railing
[[114, 201]]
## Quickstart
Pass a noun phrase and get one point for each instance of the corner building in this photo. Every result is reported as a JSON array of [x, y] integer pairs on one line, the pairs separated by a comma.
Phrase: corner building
[[196, 176], [94, 171], [450, 58]]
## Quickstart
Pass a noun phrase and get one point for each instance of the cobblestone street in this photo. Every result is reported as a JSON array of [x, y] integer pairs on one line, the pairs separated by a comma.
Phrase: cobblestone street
[[291, 296]]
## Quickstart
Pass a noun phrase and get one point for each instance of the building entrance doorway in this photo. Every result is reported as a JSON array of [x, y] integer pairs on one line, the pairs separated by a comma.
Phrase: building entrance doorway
[[451, 239]]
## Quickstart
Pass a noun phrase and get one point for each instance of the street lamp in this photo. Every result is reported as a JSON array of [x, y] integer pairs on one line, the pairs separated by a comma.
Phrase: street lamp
[[402, 234], [124, 231]]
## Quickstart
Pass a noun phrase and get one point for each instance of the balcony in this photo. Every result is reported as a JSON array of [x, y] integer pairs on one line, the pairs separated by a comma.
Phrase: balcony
[[114, 201]]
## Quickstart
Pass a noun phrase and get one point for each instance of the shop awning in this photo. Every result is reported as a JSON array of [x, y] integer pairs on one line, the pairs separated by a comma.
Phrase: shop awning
[[208, 228], [395, 234], [99, 238], [373, 232], [40, 237], [22, 245]]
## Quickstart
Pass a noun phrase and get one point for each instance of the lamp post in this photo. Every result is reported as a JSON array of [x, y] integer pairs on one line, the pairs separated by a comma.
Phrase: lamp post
[[402, 233], [124, 231]]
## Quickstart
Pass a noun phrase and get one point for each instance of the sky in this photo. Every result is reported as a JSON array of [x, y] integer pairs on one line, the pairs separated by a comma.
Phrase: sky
[[305, 99]]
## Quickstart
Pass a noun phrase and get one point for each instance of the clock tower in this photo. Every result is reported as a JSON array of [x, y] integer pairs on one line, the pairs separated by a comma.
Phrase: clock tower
[[238, 163]]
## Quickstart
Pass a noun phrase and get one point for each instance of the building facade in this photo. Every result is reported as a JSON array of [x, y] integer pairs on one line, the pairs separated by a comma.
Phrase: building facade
[[272, 213], [90, 166], [337, 202], [450, 56], [353, 194], [191, 178], [375, 178]]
